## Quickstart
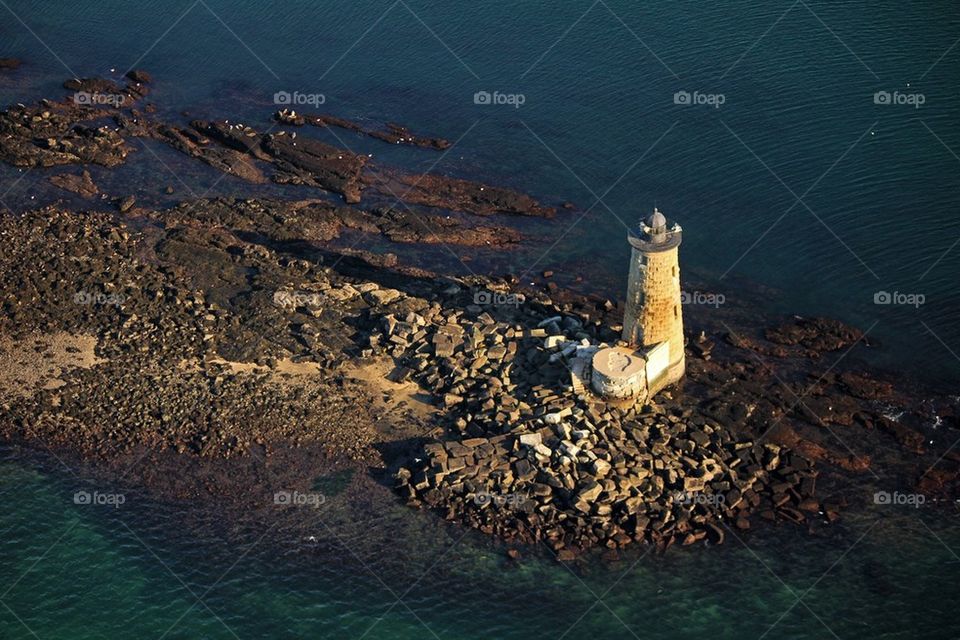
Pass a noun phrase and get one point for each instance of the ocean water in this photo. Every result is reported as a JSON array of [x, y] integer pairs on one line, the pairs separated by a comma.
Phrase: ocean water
[[790, 170], [376, 569]]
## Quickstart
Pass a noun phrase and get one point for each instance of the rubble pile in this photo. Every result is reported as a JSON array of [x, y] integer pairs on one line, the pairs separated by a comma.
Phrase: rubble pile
[[534, 457]]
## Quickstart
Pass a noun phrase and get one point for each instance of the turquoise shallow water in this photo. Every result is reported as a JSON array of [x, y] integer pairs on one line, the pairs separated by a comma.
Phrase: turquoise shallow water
[[149, 570], [880, 187]]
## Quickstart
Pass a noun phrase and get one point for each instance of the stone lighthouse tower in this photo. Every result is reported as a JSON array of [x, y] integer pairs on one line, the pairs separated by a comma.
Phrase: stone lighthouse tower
[[653, 317]]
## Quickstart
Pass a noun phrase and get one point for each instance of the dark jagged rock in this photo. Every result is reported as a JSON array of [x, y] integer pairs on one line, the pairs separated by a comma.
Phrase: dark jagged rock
[[126, 204], [862, 386], [394, 133], [322, 221], [50, 135], [235, 136], [817, 335], [311, 162], [93, 85], [194, 144], [72, 132], [139, 76], [460, 195], [910, 439], [100, 91], [82, 185], [67, 132], [398, 134]]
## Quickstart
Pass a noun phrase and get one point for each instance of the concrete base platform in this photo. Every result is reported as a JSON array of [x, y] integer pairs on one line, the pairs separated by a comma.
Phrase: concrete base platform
[[619, 372]]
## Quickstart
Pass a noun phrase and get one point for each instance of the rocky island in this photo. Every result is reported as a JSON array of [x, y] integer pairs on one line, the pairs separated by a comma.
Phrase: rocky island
[[239, 328]]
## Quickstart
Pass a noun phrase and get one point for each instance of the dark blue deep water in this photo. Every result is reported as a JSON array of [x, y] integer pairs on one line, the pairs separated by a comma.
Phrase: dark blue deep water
[[817, 161]]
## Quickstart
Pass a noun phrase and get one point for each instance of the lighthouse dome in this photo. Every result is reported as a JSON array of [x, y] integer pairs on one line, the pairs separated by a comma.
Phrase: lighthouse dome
[[656, 220]]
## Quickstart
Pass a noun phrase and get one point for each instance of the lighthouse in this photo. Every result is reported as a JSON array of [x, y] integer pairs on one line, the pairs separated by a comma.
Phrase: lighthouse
[[650, 354], [653, 316]]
